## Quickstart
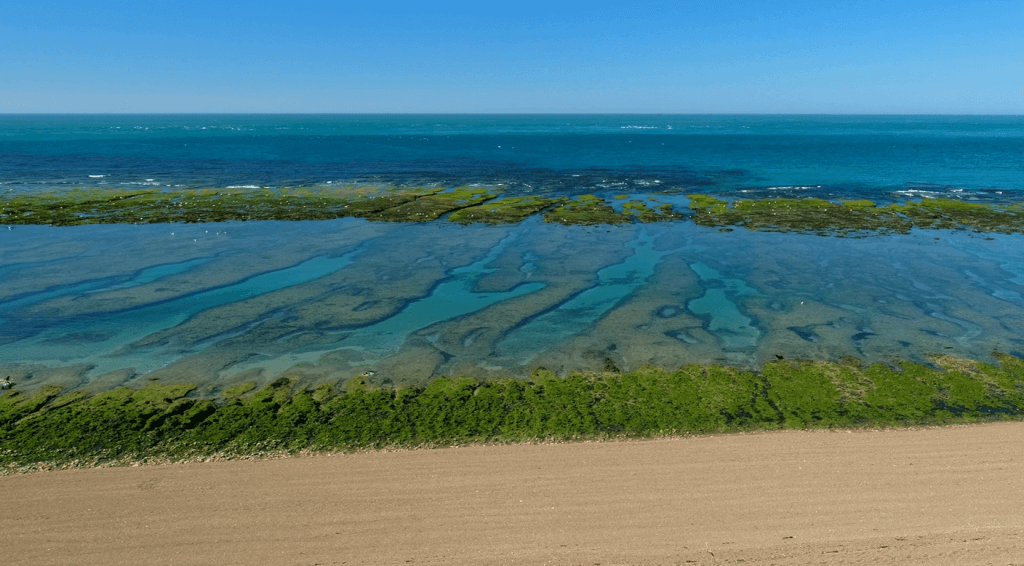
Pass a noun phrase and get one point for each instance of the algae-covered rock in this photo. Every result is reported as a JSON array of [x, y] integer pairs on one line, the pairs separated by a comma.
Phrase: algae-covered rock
[[955, 214], [14, 404], [639, 210], [107, 206], [708, 204], [809, 215], [238, 390], [587, 210], [126, 425], [823, 217], [467, 205], [432, 206], [504, 211]]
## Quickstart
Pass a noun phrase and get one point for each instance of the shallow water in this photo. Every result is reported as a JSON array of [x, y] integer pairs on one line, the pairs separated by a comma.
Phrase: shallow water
[[220, 303], [98, 306]]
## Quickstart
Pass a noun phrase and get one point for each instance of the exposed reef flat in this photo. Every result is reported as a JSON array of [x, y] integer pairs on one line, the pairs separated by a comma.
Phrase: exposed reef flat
[[486, 205], [504, 211], [168, 421], [102, 206], [818, 216]]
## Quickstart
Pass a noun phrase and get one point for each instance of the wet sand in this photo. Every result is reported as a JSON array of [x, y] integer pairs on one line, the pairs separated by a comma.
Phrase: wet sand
[[951, 495]]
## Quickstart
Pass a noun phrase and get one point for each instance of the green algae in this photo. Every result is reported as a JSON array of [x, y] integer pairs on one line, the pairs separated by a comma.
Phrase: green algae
[[238, 390], [432, 206], [641, 212], [14, 405], [959, 215], [810, 215], [104, 206], [323, 392], [504, 211], [585, 210], [707, 204], [467, 205], [849, 217], [163, 422], [860, 204]]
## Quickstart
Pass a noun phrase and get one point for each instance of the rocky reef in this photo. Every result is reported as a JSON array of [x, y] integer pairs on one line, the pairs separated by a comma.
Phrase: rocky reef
[[486, 205]]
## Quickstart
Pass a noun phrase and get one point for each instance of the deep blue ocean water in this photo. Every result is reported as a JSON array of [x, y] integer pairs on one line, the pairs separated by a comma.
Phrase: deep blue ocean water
[[845, 156], [101, 306]]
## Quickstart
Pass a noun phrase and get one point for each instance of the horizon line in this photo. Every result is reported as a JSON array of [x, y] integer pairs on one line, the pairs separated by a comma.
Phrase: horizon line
[[502, 114]]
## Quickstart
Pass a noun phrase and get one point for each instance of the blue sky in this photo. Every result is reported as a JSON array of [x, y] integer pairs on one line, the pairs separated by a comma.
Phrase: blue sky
[[647, 57]]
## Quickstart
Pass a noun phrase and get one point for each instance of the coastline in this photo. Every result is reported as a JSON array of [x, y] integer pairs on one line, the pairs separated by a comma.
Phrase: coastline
[[168, 422], [238, 339]]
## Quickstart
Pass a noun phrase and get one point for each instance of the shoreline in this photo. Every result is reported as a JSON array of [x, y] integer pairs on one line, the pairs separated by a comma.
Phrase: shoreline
[[167, 422], [265, 456]]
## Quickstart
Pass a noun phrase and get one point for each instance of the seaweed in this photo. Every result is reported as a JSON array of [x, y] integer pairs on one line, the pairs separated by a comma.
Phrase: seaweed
[[585, 210], [432, 206], [640, 211], [466, 205], [818, 216], [105, 206], [504, 211], [163, 422], [810, 215], [957, 215]]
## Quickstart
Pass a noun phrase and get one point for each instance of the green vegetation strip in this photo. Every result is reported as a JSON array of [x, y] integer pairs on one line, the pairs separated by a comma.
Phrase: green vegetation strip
[[101, 206], [161, 423], [828, 218], [468, 205], [504, 211]]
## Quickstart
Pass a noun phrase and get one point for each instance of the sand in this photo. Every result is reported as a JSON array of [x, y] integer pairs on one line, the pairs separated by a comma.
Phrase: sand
[[952, 495]]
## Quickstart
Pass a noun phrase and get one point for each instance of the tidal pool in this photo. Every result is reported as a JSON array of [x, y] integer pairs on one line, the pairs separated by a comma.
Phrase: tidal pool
[[101, 306]]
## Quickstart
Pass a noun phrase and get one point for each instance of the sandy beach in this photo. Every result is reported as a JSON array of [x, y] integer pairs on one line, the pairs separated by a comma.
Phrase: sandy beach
[[952, 495]]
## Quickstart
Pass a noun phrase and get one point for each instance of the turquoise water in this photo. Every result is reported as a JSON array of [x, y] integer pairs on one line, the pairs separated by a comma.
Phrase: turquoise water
[[718, 304], [614, 284], [104, 341], [406, 302], [403, 303], [147, 275], [452, 298]]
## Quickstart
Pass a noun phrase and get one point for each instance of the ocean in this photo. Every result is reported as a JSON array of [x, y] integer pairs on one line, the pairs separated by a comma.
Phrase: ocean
[[221, 303], [571, 154]]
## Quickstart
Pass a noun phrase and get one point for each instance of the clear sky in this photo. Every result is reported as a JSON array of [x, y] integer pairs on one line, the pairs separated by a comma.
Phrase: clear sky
[[777, 56]]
